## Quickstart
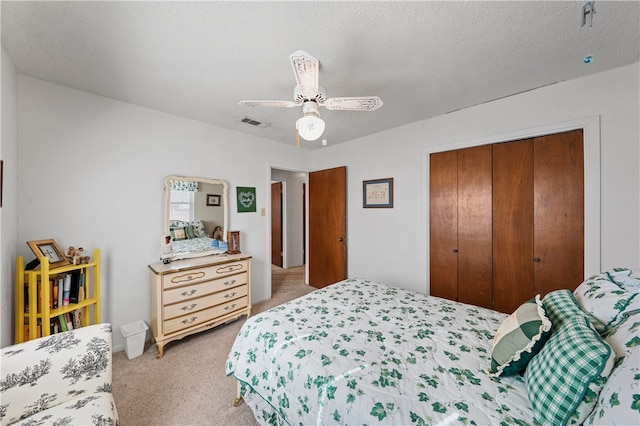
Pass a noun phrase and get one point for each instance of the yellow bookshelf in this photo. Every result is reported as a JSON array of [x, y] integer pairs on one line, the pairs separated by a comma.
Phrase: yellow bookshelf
[[37, 284]]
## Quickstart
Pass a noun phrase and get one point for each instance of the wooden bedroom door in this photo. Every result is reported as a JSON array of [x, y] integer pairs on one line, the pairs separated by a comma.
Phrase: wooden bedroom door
[[276, 224], [327, 226], [460, 225]]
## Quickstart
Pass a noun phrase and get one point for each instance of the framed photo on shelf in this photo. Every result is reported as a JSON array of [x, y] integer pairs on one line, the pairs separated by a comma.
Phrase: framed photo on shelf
[[377, 193], [49, 248], [233, 239], [213, 199]]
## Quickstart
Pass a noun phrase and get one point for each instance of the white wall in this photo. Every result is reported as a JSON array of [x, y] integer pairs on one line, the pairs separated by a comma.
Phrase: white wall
[[92, 170], [292, 215], [391, 245], [92, 173], [9, 210]]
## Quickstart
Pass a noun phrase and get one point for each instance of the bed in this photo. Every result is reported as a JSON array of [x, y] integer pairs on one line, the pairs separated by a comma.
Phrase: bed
[[361, 352], [191, 239]]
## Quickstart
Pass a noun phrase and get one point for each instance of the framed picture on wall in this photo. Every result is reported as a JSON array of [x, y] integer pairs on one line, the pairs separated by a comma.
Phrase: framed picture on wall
[[377, 193], [213, 199], [49, 249]]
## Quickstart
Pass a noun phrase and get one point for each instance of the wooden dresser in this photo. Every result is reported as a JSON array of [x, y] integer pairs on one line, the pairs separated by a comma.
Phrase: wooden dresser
[[192, 295]]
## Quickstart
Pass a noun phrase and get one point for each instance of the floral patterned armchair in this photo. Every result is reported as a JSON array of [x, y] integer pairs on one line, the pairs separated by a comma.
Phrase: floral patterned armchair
[[63, 379]]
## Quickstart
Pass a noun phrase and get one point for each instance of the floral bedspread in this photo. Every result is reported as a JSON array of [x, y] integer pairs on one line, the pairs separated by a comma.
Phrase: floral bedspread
[[359, 352], [191, 245]]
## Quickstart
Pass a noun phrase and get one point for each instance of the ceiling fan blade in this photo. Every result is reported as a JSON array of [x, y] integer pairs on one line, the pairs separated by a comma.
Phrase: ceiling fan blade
[[280, 104], [305, 68], [356, 103]]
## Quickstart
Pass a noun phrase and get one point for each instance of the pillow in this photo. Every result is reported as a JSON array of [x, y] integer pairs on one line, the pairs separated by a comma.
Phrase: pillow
[[564, 380], [177, 224], [619, 400], [608, 294], [561, 306], [178, 234], [198, 228], [519, 338], [189, 231], [624, 336]]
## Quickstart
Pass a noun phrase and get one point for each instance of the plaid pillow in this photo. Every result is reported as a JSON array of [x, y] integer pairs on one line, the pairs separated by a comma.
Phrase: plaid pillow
[[564, 380], [519, 338], [561, 306]]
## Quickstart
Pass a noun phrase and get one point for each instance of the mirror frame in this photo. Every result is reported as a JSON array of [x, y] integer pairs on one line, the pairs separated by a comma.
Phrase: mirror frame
[[225, 199]]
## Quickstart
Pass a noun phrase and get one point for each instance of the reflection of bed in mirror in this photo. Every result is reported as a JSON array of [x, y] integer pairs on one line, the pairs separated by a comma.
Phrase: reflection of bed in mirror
[[190, 219]]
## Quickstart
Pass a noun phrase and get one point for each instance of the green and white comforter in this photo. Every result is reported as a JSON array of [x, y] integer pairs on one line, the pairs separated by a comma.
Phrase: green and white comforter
[[359, 352]]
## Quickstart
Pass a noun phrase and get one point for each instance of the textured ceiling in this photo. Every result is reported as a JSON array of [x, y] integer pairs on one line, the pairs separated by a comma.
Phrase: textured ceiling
[[198, 59]]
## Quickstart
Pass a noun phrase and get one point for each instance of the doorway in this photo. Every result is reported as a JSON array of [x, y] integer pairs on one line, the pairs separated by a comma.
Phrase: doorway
[[288, 228]]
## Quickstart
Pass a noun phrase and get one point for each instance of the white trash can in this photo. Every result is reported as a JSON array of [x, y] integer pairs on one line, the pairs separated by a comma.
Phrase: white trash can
[[135, 334]]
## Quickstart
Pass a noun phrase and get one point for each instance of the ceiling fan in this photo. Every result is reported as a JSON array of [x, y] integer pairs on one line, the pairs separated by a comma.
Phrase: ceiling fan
[[310, 95]]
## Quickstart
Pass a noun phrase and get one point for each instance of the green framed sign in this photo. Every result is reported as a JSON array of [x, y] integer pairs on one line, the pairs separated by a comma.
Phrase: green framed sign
[[246, 198]]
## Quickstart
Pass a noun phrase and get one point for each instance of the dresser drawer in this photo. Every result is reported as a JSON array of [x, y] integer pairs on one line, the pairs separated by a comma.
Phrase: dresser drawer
[[198, 275], [194, 305], [187, 292], [195, 318]]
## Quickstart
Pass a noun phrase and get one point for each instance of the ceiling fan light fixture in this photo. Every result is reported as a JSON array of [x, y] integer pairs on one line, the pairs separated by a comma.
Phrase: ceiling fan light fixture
[[310, 126]]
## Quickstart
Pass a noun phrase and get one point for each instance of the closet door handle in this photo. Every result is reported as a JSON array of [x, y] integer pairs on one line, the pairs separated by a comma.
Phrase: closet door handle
[[536, 259], [455, 250]]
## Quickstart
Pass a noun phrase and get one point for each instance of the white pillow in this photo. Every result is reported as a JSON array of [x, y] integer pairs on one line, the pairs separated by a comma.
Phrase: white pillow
[[607, 295], [619, 400]]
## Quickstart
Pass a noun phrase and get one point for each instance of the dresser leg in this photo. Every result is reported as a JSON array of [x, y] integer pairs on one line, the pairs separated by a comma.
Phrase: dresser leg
[[160, 350]]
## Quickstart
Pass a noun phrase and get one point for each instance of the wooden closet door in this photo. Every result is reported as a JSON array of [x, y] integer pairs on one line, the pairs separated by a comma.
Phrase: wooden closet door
[[443, 224], [475, 265], [558, 211], [512, 224]]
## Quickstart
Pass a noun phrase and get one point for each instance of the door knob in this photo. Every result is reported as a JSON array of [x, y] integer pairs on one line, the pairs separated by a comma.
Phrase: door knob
[[340, 239], [455, 250], [536, 259]]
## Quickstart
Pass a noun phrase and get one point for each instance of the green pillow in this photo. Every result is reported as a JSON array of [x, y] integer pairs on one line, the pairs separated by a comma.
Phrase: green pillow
[[189, 231], [561, 306], [564, 380], [519, 338]]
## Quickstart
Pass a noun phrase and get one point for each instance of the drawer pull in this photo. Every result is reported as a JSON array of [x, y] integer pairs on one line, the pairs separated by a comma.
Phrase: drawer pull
[[232, 282], [230, 307], [228, 296], [189, 293], [189, 320], [188, 308], [229, 268], [187, 277]]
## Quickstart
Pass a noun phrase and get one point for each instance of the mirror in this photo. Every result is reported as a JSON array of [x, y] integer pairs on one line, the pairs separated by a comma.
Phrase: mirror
[[196, 210]]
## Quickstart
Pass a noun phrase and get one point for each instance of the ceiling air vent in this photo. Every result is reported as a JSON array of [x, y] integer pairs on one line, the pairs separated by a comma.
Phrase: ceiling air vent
[[253, 122]]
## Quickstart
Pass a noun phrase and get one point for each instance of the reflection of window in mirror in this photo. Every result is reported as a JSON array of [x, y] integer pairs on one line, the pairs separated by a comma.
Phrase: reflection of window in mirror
[[182, 206]]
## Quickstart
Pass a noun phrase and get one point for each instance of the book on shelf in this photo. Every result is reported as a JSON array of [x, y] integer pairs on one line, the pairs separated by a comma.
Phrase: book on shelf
[[77, 318], [63, 323], [60, 280], [67, 290], [77, 281], [67, 317], [53, 293], [27, 328]]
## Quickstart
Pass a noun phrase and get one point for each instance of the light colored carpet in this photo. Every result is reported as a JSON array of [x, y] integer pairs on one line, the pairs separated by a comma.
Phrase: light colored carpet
[[188, 386]]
